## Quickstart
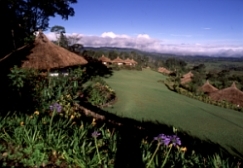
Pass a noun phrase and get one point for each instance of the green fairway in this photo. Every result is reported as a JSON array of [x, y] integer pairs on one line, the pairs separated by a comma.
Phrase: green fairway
[[140, 96]]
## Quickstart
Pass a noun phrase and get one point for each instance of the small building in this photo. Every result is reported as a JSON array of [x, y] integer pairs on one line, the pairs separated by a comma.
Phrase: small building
[[128, 62], [207, 88], [231, 94], [164, 70], [105, 60], [134, 62], [187, 78], [46, 56], [118, 61]]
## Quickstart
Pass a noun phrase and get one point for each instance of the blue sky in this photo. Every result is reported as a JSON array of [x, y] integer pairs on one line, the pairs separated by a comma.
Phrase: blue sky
[[171, 23]]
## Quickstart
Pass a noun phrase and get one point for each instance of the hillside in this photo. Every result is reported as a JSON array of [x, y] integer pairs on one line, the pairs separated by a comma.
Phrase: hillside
[[141, 97]]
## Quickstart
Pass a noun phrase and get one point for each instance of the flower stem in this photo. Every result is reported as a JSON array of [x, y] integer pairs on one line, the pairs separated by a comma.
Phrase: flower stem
[[53, 113], [166, 156], [156, 150], [97, 150]]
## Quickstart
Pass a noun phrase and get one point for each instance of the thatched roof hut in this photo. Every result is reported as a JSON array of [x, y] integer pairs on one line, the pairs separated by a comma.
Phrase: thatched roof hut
[[118, 61], [164, 70], [187, 78], [188, 75], [231, 94], [133, 61], [208, 88], [46, 55], [104, 59], [128, 61]]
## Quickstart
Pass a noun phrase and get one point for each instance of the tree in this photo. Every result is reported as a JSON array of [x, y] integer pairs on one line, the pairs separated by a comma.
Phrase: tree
[[175, 64], [74, 42], [112, 54], [26, 16], [59, 31]]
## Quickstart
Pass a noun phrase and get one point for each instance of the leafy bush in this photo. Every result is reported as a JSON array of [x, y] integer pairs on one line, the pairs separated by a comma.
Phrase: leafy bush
[[99, 93], [38, 91]]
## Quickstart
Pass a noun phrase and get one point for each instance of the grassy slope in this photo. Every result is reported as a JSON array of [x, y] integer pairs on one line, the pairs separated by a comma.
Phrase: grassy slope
[[140, 96]]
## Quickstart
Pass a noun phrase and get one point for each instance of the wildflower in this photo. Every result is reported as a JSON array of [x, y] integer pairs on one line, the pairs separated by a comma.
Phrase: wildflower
[[72, 117], [183, 149], [22, 123], [162, 138], [175, 140], [56, 107], [31, 116], [93, 122], [36, 113], [95, 134], [165, 139]]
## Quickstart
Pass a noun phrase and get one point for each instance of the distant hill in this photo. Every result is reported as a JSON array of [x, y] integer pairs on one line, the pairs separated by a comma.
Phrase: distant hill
[[166, 55], [128, 50]]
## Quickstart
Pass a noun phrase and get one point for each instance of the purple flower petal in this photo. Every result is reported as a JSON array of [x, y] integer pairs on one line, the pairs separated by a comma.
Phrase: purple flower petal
[[56, 107], [95, 134]]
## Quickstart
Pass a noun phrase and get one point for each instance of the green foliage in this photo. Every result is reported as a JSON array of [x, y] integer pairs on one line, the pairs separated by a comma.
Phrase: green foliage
[[175, 64], [26, 143], [25, 17], [17, 77], [42, 90], [99, 93], [29, 40]]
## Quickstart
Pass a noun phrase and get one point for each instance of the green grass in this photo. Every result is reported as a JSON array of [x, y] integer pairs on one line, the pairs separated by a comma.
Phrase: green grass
[[141, 97]]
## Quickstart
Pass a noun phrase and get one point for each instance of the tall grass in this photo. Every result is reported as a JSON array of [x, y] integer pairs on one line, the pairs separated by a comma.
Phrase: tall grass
[[26, 143]]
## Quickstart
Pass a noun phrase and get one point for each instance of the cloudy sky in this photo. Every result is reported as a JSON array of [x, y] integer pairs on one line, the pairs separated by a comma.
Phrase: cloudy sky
[[212, 27]]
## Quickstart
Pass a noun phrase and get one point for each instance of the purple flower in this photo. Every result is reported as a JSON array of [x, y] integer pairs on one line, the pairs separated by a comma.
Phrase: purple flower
[[56, 107], [162, 138], [165, 139], [95, 134], [175, 140]]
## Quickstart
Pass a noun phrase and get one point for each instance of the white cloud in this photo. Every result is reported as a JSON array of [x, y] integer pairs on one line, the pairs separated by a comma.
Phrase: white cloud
[[113, 35], [207, 28], [146, 43], [146, 36]]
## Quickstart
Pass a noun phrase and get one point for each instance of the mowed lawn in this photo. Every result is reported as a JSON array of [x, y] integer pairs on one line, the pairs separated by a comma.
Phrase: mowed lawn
[[141, 97]]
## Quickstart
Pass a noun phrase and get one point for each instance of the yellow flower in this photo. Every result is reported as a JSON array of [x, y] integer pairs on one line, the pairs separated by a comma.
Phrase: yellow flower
[[183, 149], [31, 116], [36, 113], [22, 123], [72, 117], [93, 122], [144, 141]]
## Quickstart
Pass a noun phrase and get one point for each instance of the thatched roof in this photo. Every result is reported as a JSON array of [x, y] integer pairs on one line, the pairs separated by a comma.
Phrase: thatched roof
[[187, 78], [104, 59], [188, 75], [118, 60], [47, 55], [231, 94], [134, 62], [164, 70], [208, 88], [127, 60]]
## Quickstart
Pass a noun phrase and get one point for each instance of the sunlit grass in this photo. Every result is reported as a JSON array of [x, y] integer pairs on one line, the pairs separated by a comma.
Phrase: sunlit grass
[[141, 97]]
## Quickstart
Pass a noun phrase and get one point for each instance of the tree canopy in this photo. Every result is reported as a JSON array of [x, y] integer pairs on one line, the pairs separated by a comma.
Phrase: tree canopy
[[26, 16]]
